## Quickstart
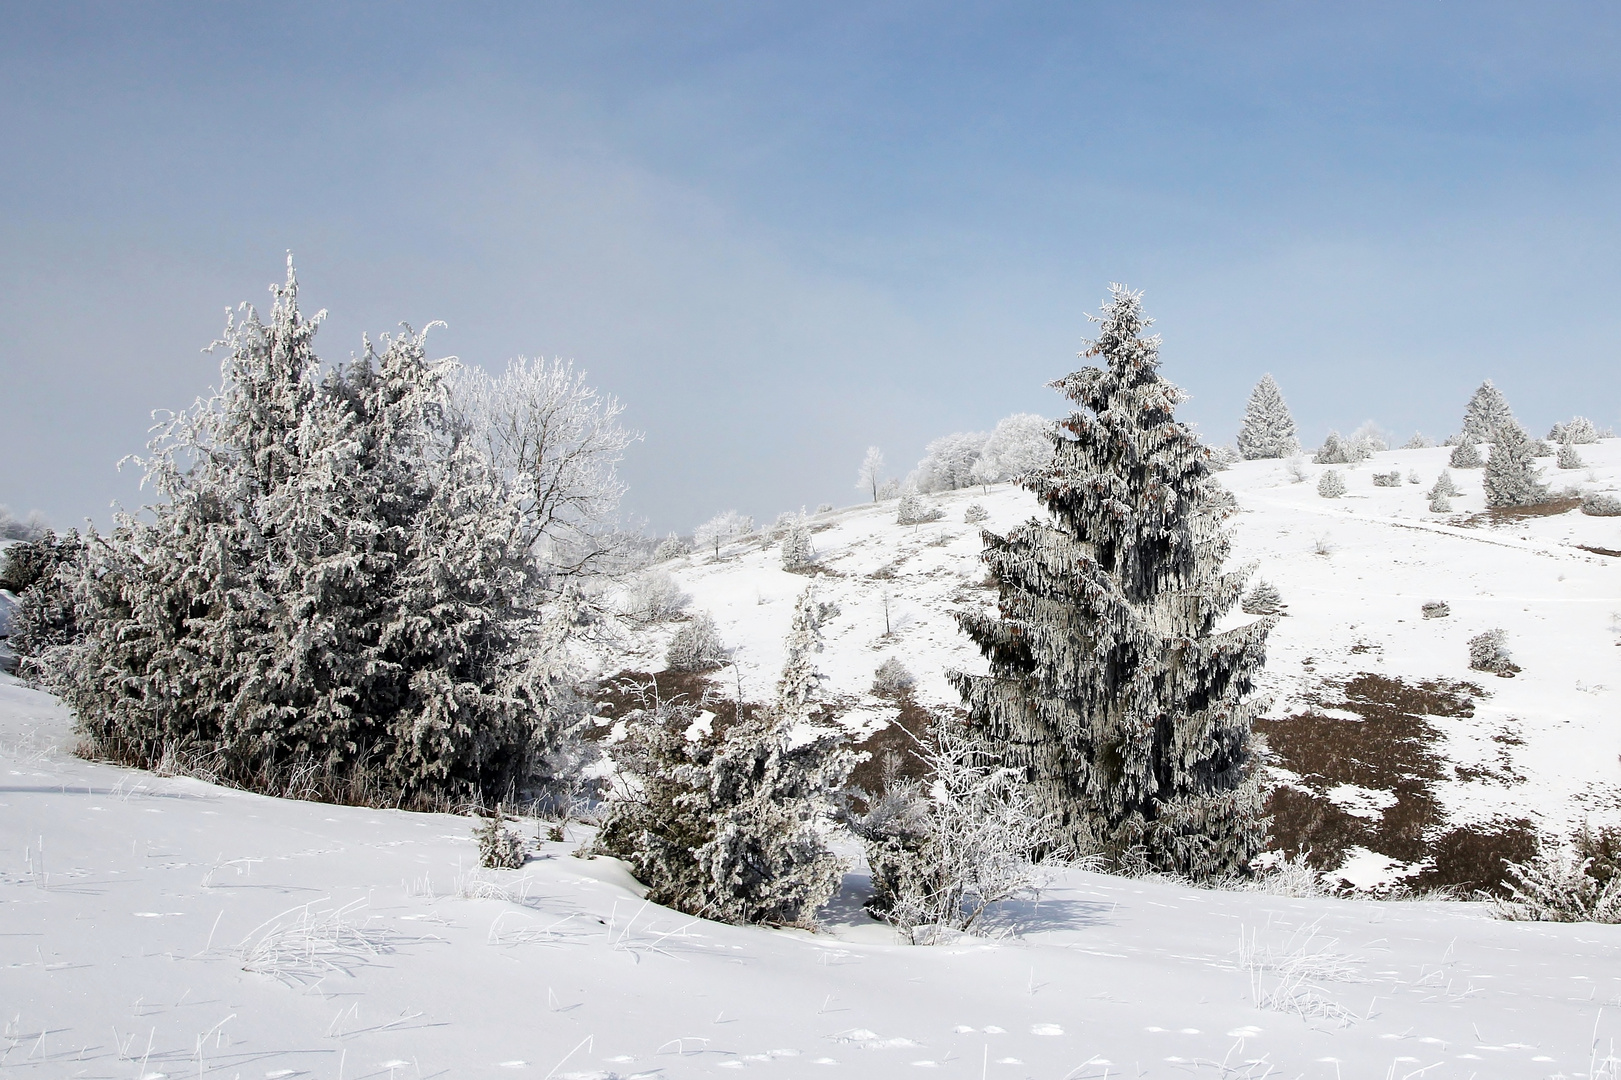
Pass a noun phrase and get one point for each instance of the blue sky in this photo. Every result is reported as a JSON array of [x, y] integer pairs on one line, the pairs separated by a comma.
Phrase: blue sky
[[783, 232]]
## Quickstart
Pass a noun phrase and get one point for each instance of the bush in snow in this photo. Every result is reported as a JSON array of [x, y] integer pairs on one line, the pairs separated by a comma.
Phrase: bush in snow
[[1413, 477], [347, 582], [1436, 609], [1578, 430], [1440, 504], [889, 489], [1443, 485], [1331, 485], [43, 617], [1484, 416], [731, 826], [1419, 441], [722, 529], [1568, 458], [499, 848], [1332, 452], [653, 596], [1366, 441], [1488, 651], [1601, 505], [940, 858], [975, 514], [1296, 469], [1578, 883], [1223, 458], [913, 512], [1389, 479], [870, 476], [671, 547], [797, 552], [1465, 456], [696, 646], [1094, 600], [1512, 478], [892, 678], [1021, 443], [1268, 431], [1263, 599], [824, 508]]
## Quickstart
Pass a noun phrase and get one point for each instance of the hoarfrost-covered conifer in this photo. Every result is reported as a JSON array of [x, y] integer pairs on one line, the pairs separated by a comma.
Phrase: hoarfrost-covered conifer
[[653, 597], [1331, 485], [1440, 503], [892, 678], [1419, 441], [1568, 458], [1600, 504], [1512, 478], [1443, 485], [1486, 414], [1465, 456], [1332, 452], [797, 552], [732, 827], [1489, 652], [337, 587], [1109, 688], [1268, 430], [948, 462], [1263, 599], [1578, 430], [974, 514], [1389, 479], [499, 848], [696, 646], [870, 476]]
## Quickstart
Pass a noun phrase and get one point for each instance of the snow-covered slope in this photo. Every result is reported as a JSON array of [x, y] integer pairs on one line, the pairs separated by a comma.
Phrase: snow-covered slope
[[1535, 752], [159, 927]]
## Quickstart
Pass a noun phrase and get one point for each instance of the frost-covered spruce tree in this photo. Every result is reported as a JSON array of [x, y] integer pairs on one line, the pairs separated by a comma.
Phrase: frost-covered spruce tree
[[1578, 430], [1486, 414], [730, 827], [1465, 456], [797, 552], [1331, 485], [1268, 430], [333, 588], [1109, 686], [1512, 478], [1568, 458]]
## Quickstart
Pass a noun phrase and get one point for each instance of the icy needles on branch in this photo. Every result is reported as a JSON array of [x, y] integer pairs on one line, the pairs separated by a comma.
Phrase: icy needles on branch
[[1109, 687]]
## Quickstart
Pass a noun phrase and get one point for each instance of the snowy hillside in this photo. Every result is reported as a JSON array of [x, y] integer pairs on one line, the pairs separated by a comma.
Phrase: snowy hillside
[[161, 928], [1395, 755]]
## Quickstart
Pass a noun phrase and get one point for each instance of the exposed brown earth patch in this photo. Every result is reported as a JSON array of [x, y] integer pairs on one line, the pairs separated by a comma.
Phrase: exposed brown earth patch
[[1390, 747], [1504, 515]]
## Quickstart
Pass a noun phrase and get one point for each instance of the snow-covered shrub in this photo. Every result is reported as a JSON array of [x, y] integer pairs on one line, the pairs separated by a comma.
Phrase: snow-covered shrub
[[722, 529], [1021, 443], [43, 616], [696, 646], [341, 585], [824, 508], [1488, 651], [652, 597], [1332, 452], [499, 848], [671, 547], [1568, 458], [1268, 431], [1296, 469], [940, 858], [1486, 413], [1440, 503], [912, 511], [1323, 545], [1262, 599], [870, 476], [948, 462], [1512, 478], [1540, 448], [1419, 441], [1331, 485], [1600, 504], [1389, 479], [1413, 477], [1366, 441], [892, 678], [1223, 458], [974, 514], [1576, 883], [889, 489], [1443, 485], [1465, 456], [731, 826], [797, 552], [1436, 609], [1166, 775], [1579, 430]]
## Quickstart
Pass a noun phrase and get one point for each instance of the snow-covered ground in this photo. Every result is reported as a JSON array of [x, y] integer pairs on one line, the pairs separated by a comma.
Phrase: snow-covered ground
[[1543, 747], [159, 927]]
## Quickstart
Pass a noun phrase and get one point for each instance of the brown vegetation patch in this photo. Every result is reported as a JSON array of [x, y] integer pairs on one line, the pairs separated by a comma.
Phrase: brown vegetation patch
[[1505, 515], [900, 739], [1390, 747], [619, 695], [1600, 551]]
